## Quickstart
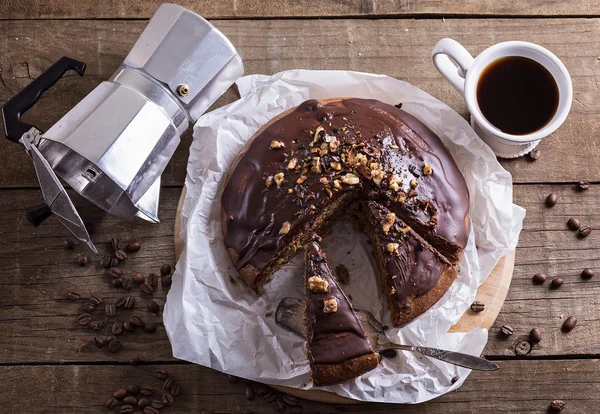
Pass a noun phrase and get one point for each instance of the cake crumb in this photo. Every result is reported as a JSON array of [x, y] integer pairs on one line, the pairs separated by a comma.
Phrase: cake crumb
[[342, 274], [269, 313]]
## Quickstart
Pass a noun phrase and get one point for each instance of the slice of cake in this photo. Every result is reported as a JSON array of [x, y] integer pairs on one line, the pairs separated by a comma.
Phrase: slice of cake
[[414, 276], [336, 345]]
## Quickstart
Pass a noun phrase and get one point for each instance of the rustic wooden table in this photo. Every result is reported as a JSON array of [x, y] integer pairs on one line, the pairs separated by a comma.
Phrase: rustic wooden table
[[41, 369]]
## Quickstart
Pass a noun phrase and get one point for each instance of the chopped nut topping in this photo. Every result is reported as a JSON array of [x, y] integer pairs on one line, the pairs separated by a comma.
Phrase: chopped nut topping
[[335, 165], [401, 198], [405, 229], [323, 151], [434, 219], [414, 183], [375, 166], [301, 179], [317, 135], [394, 182], [362, 159], [277, 145], [394, 186], [392, 247], [378, 176], [364, 171], [285, 228], [290, 190], [337, 184], [330, 305], [292, 164], [390, 218], [334, 145], [316, 165], [324, 180], [427, 169], [315, 150], [393, 291], [279, 177], [329, 192], [318, 285], [269, 181], [350, 179]]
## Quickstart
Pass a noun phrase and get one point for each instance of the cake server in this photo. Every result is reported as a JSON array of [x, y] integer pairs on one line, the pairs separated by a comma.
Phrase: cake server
[[290, 316], [113, 146]]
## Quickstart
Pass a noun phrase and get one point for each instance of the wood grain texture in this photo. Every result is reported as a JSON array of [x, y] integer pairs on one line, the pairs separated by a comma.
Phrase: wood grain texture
[[118, 9], [399, 48], [519, 386]]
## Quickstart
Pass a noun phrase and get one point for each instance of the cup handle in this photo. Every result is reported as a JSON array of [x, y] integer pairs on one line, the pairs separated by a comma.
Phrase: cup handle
[[441, 54]]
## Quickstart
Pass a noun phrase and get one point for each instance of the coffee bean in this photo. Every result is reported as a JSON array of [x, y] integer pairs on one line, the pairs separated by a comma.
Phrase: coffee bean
[[114, 345], [539, 278], [143, 402], [147, 289], [84, 319], [161, 374], [278, 405], [136, 321], [131, 400], [389, 353], [165, 269], [105, 261], [150, 327], [551, 200], [522, 348], [95, 300], [584, 230], [82, 259], [153, 279], [146, 390], [477, 306], [88, 307], [557, 406], [119, 301], [249, 393], [297, 410], [168, 399], [138, 278], [176, 390], [535, 336], [127, 283], [569, 324], [111, 403], [99, 341], [535, 154], [97, 325], [117, 328], [587, 274], [121, 255], [167, 280], [454, 379], [269, 397], [507, 330], [152, 307], [556, 283], [68, 244], [133, 389], [232, 379], [290, 400], [573, 223], [73, 295], [158, 404], [260, 389], [120, 393], [127, 408], [133, 247], [168, 384], [114, 262], [127, 326], [150, 410], [118, 282], [583, 185], [115, 272], [110, 310]]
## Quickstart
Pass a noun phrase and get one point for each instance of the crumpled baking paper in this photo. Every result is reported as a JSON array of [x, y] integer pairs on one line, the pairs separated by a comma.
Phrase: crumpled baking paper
[[214, 320]]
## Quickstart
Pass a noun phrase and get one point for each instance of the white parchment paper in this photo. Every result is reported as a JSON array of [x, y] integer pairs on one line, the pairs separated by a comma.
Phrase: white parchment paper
[[214, 320]]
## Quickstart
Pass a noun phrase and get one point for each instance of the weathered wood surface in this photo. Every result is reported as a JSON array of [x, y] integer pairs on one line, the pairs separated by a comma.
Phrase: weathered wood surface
[[39, 324], [115, 9], [519, 386], [399, 48]]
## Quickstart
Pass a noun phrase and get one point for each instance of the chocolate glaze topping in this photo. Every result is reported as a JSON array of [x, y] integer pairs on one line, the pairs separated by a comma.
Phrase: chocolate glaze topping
[[305, 161], [335, 337]]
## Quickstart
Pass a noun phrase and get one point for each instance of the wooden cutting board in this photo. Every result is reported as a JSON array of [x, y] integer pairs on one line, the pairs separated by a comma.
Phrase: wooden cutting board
[[492, 292]]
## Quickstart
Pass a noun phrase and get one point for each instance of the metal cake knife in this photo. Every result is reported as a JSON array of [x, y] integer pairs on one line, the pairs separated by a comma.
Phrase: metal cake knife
[[290, 316]]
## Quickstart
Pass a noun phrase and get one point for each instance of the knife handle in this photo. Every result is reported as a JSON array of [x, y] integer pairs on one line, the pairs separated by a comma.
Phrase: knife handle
[[14, 127]]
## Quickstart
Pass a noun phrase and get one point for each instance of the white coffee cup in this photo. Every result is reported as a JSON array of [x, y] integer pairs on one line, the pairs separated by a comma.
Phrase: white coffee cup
[[466, 76]]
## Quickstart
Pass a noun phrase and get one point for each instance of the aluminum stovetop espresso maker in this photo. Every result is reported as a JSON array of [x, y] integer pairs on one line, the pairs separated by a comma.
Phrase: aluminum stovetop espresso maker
[[113, 146]]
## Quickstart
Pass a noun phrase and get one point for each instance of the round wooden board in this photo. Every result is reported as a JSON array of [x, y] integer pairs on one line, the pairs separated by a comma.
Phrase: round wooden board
[[492, 292]]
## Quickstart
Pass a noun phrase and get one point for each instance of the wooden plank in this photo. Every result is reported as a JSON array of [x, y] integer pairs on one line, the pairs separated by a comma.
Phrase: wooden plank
[[119, 9], [519, 386], [399, 48]]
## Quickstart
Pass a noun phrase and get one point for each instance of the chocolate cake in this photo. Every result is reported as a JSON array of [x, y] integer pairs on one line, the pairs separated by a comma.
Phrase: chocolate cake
[[336, 345]]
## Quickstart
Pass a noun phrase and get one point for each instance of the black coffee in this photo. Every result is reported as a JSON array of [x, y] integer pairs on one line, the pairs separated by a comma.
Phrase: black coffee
[[517, 95]]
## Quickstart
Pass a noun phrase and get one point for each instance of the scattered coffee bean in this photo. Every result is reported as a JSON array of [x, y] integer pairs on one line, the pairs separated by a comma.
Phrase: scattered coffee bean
[[119, 301], [114, 345], [117, 328], [88, 307], [129, 302], [84, 319], [138, 278], [152, 279], [176, 390], [136, 321], [583, 185], [269, 397], [111, 403], [133, 389], [557, 406], [110, 310], [232, 379], [535, 154], [127, 326], [150, 410], [168, 399], [278, 405], [152, 306], [96, 300], [165, 269], [115, 244], [150, 327], [569, 324], [73, 295], [127, 408], [133, 247], [551, 200], [389, 353], [99, 341], [260, 389], [161, 374], [454, 379], [522, 348], [584, 230], [539, 278], [507, 330], [147, 289], [127, 283], [249, 393], [573, 223], [146, 390], [290, 400], [297, 410], [118, 282], [477, 306], [556, 283], [168, 384], [82, 259], [167, 280], [68, 244], [121, 255], [535, 336], [105, 261], [158, 404], [115, 272], [97, 325], [120, 393], [587, 274], [130, 399], [143, 403]]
